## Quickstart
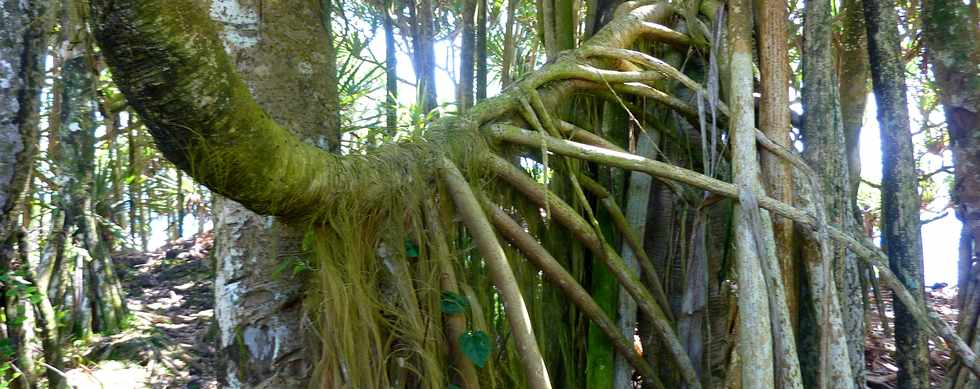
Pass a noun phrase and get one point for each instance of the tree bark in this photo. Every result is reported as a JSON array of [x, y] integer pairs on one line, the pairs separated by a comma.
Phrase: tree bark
[[755, 332], [507, 58], [824, 345], [774, 121], [256, 306], [481, 50], [950, 31], [391, 70], [901, 233], [22, 49], [467, 57], [424, 57]]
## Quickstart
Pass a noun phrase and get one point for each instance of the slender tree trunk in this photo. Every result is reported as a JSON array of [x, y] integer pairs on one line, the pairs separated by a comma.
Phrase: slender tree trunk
[[424, 55], [181, 207], [134, 174], [564, 24], [391, 71], [464, 93], [755, 337], [600, 362], [901, 233], [47, 322], [507, 58], [546, 27], [481, 50], [854, 74], [774, 121], [824, 345], [105, 286], [637, 199]]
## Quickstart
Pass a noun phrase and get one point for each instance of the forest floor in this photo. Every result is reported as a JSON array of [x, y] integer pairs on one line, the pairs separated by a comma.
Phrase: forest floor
[[880, 345], [169, 342]]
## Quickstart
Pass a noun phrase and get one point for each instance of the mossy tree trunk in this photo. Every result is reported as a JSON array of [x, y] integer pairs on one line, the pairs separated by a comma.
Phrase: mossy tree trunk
[[257, 295], [97, 303], [901, 233], [467, 57], [826, 325], [22, 51], [21, 71], [951, 32]]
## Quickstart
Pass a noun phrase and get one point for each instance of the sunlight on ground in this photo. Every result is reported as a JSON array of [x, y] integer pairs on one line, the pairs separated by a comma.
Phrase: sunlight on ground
[[108, 375]]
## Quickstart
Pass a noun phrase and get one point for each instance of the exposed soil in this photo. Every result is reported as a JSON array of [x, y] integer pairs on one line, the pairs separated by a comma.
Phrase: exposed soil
[[169, 342], [880, 345]]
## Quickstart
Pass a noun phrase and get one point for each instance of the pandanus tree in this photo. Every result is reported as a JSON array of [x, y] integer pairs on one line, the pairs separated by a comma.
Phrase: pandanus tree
[[420, 249]]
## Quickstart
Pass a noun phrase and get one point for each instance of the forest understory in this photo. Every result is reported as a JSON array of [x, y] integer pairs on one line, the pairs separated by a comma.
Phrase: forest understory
[[170, 340], [610, 194]]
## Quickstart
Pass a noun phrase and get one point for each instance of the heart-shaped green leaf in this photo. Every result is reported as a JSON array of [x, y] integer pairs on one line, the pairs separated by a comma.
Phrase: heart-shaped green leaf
[[453, 303], [476, 346]]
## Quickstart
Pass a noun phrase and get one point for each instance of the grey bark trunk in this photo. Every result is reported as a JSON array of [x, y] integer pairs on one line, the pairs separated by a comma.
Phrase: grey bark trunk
[[824, 348], [22, 49], [391, 75], [258, 309], [467, 56], [637, 199], [424, 57], [901, 234], [481, 50]]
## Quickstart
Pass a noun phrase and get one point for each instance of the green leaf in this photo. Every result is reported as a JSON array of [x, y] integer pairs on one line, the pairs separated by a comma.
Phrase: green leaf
[[411, 249], [476, 346], [281, 267], [308, 239], [453, 386], [453, 303]]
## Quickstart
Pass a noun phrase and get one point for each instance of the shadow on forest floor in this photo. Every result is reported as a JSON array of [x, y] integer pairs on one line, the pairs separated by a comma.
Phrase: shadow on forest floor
[[169, 342], [880, 346]]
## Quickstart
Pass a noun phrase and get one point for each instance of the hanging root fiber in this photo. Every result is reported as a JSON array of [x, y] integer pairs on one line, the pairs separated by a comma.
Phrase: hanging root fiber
[[409, 284]]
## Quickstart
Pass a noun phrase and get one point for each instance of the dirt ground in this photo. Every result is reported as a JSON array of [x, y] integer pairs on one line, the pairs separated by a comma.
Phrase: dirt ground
[[880, 346], [169, 342]]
